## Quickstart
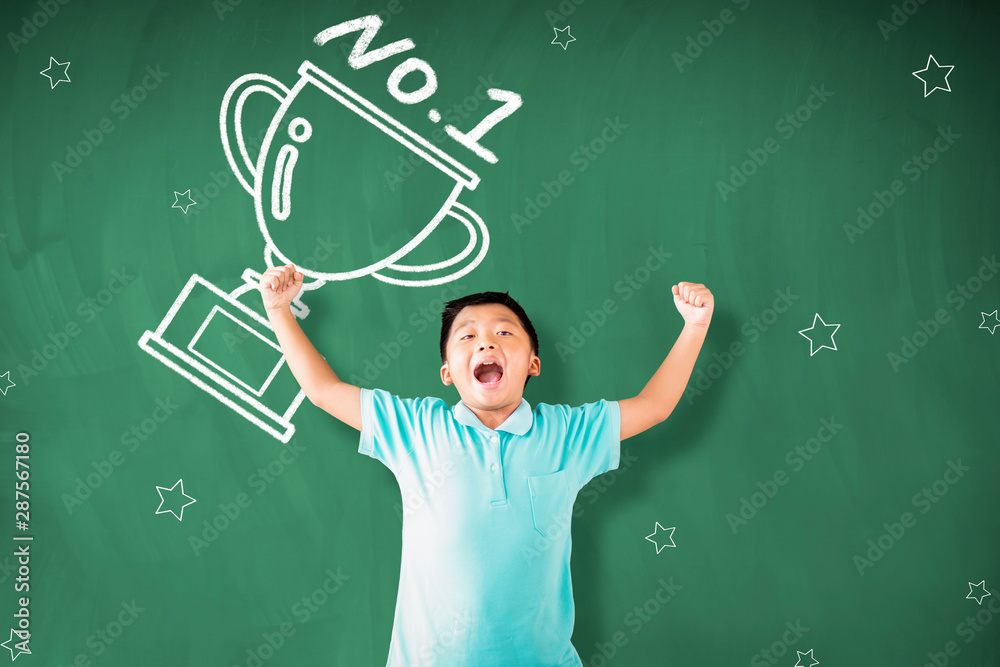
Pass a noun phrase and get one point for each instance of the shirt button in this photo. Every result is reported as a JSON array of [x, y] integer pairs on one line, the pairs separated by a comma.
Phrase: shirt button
[[493, 467], [494, 438]]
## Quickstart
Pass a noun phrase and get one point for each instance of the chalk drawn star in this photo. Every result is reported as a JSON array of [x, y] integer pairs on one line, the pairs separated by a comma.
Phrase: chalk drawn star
[[669, 537], [560, 42], [833, 345], [52, 65], [6, 376], [978, 599], [992, 327], [807, 654], [946, 87], [178, 204], [161, 489], [22, 646]]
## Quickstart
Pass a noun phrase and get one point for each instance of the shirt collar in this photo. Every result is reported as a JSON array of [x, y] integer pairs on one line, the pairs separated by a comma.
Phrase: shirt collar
[[518, 423]]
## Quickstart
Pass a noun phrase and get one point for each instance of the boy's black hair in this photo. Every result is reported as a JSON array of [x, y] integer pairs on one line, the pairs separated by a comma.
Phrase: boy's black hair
[[452, 308]]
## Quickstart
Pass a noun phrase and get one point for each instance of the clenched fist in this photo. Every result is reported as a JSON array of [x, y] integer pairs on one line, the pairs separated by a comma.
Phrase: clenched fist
[[694, 302], [279, 286]]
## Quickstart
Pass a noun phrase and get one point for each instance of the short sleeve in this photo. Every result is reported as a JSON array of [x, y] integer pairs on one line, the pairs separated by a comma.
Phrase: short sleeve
[[392, 426], [593, 439]]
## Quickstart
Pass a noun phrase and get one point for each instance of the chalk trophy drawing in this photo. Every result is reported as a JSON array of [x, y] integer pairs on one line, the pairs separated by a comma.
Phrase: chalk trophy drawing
[[228, 349]]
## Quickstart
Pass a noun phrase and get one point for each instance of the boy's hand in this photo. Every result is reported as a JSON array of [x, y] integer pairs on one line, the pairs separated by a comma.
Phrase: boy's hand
[[279, 285], [694, 302]]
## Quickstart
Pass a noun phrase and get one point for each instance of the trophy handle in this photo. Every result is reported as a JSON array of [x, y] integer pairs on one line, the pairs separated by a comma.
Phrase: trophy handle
[[398, 274], [230, 123]]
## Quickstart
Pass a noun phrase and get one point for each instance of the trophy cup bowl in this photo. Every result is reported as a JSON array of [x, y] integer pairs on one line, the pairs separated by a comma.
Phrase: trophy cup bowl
[[312, 179]]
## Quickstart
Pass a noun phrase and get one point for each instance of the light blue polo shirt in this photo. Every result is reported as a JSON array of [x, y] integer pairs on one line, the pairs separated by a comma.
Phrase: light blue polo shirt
[[484, 578]]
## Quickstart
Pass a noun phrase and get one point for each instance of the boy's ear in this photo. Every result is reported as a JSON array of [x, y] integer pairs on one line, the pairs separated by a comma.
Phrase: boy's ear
[[445, 374], [536, 365]]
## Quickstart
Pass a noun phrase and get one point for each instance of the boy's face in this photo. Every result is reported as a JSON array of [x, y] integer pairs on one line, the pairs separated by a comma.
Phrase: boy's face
[[488, 331]]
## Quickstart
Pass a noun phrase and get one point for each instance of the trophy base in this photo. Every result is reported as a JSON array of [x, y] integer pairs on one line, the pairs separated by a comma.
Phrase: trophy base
[[230, 351]]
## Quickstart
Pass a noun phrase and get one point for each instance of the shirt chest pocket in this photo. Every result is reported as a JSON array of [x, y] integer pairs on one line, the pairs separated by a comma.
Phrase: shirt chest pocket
[[551, 503]]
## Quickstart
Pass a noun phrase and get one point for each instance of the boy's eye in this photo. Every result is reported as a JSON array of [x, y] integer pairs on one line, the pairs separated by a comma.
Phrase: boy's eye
[[467, 335]]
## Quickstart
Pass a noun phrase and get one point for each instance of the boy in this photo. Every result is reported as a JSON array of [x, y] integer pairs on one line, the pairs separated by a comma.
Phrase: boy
[[485, 577]]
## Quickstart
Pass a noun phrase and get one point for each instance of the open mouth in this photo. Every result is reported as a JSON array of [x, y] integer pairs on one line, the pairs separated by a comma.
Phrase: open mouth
[[489, 374]]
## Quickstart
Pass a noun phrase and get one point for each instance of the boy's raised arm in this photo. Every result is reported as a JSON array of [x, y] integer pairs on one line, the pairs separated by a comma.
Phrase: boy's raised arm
[[660, 395], [278, 286]]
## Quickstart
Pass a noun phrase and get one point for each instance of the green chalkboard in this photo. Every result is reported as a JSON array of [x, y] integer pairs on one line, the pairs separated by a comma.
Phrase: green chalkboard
[[828, 170]]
